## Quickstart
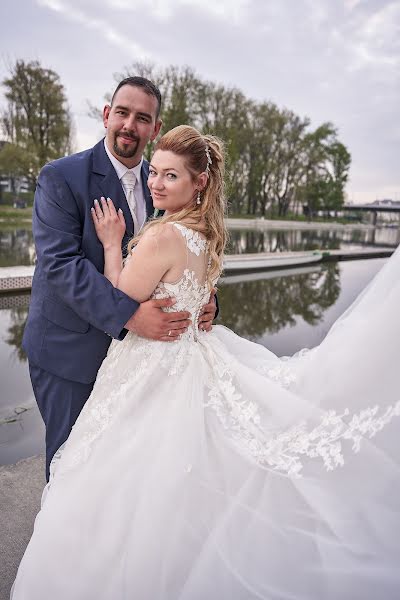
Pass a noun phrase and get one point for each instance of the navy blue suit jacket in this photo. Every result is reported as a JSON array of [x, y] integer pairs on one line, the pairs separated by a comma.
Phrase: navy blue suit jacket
[[74, 310]]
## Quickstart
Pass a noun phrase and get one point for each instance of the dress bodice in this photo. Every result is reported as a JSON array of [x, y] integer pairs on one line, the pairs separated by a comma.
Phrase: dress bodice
[[191, 290]]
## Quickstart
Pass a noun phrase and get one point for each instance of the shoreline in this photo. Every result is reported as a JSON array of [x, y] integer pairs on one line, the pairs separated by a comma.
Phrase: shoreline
[[238, 223]]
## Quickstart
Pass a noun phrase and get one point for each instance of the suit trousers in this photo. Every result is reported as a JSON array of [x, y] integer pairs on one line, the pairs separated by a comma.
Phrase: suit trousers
[[60, 401]]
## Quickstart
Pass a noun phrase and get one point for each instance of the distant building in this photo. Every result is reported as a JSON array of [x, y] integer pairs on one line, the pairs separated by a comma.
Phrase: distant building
[[21, 183], [386, 203]]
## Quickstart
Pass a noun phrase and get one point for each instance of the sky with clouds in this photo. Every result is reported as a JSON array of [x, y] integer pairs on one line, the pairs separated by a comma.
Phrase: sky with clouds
[[330, 60]]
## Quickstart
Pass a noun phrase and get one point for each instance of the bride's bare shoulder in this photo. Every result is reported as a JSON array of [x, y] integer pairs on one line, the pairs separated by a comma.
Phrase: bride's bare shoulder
[[163, 236]]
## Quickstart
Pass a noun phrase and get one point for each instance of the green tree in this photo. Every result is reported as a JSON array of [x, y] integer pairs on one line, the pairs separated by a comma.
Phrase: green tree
[[327, 169], [339, 166], [274, 162], [36, 120]]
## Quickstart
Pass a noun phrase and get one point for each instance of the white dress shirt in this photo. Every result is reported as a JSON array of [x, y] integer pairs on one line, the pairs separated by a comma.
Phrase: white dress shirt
[[121, 169]]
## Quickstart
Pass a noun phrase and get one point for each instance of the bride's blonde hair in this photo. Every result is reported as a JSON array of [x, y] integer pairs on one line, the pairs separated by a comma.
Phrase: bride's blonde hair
[[208, 216]]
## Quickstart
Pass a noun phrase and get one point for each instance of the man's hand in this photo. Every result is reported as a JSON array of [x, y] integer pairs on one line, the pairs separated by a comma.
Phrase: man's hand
[[149, 321], [207, 314]]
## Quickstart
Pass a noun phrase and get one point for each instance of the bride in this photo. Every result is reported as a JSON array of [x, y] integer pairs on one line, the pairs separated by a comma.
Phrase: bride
[[208, 468]]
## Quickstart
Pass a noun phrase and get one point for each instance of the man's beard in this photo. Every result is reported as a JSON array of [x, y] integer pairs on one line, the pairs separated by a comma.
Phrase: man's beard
[[129, 153]]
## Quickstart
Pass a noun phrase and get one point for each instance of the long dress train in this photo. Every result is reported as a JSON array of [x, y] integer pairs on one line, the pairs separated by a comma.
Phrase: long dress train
[[211, 469]]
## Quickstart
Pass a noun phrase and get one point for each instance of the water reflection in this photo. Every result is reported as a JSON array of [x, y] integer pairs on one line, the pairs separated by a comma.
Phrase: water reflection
[[16, 247], [21, 427], [15, 330], [292, 309], [243, 241], [253, 307]]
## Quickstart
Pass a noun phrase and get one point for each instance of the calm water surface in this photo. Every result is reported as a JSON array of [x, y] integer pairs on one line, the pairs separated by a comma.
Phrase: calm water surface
[[284, 311], [17, 247], [244, 241]]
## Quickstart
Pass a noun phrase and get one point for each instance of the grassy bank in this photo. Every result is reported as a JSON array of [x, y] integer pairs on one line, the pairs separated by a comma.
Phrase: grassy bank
[[13, 217], [8, 198], [10, 217]]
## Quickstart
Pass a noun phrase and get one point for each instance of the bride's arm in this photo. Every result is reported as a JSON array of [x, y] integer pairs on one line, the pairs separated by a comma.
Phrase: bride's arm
[[110, 228], [156, 253]]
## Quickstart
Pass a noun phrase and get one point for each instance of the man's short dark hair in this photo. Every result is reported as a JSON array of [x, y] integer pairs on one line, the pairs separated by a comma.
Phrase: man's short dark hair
[[146, 85]]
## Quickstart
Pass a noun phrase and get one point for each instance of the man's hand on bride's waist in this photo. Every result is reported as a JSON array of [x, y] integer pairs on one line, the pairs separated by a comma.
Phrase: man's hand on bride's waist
[[150, 321]]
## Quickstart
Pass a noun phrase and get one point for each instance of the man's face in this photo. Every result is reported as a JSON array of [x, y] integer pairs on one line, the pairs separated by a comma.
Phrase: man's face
[[130, 122]]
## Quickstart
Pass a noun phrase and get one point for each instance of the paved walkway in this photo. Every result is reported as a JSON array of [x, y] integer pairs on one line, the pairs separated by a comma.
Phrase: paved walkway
[[21, 487]]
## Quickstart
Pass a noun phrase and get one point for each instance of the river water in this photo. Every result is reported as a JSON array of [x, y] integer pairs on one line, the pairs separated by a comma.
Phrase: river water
[[17, 247]]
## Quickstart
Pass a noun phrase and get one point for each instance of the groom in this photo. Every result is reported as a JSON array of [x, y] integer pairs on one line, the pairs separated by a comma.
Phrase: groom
[[74, 310]]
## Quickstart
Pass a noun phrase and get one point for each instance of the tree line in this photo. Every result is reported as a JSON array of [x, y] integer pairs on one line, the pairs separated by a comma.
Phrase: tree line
[[276, 163]]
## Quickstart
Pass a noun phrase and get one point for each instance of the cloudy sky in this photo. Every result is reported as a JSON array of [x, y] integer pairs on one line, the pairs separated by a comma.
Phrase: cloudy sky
[[336, 60]]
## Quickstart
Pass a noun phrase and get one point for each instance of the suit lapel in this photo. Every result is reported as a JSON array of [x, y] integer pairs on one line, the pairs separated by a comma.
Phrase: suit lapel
[[107, 180], [146, 192]]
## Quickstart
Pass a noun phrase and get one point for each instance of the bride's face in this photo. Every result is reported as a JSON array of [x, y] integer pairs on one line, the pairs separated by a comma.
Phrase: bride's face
[[170, 182]]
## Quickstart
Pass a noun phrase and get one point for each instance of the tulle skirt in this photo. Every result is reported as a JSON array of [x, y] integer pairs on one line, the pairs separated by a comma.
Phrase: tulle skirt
[[211, 469]]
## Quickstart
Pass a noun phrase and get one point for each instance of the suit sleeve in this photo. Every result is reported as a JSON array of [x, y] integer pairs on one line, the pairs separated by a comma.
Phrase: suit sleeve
[[217, 306], [57, 229]]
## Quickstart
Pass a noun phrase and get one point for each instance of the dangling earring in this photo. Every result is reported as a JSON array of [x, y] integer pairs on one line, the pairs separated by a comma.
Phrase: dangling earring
[[198, 197]]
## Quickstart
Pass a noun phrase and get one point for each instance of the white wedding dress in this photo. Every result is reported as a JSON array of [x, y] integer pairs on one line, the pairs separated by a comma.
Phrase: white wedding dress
[[210, 469]]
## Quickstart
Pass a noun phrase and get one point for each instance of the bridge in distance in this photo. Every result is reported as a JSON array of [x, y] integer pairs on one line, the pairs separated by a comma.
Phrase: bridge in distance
[[374, 209]]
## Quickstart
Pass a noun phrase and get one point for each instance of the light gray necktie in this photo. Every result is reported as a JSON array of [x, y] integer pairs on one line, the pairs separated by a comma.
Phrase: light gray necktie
[[129, 182]]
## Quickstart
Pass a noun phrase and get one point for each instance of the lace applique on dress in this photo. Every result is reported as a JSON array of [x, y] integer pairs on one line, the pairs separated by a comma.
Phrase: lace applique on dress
[[324, 441], [284, 451], [190, 294], [284, 371], [106, 399], [194, 241]]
